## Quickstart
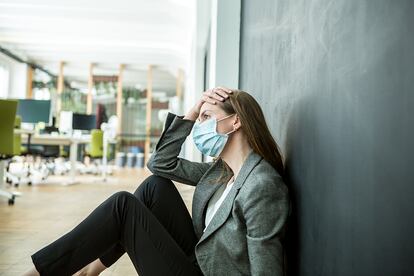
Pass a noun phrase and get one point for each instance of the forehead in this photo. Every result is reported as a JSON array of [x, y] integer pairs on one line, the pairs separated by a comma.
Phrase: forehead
[[212, 108]]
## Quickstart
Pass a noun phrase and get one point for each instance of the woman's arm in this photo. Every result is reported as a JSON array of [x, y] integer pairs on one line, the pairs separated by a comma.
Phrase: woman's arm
[[164, 160], [266, 210]]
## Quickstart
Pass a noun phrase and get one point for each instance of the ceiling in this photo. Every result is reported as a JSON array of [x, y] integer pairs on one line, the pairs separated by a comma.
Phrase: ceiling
[[136, 33]]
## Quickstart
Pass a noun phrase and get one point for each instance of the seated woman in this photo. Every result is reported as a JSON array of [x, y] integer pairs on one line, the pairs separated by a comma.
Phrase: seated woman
[[240, 204]]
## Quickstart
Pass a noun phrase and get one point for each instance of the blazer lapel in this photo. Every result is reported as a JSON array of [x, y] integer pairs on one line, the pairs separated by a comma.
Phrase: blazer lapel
[[205, 189], [224, 210]]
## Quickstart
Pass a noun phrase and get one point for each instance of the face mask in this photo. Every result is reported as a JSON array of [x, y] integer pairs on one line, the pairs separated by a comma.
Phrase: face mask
[[207, 139]]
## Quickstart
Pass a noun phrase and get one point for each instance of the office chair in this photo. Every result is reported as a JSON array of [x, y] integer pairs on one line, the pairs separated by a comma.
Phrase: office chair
[[16, 176], [7, 114], [95, 152], [51, 154], [17, 136]]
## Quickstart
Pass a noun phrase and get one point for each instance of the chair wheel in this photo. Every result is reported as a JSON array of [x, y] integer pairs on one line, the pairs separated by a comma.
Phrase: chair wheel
[[16, 185], [29, 183], [11, 201]]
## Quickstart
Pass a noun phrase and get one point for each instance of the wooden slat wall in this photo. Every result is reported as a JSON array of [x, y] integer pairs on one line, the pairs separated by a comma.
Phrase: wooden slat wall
[[119, 97], [29, 86], [149, 111], [59, 88], [90, 87]]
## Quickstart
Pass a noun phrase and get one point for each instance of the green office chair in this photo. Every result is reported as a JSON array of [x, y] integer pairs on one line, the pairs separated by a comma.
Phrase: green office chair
[[7, 114], [18, 137], [18, 149], [96, 150]]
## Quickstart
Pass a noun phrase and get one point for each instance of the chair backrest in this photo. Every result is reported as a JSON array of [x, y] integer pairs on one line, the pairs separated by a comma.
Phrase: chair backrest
[[18, 121], [17, 146], [96, 143], [7, 116]]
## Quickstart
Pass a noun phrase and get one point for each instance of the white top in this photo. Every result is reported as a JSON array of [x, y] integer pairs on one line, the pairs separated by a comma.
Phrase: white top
[[215, 201]]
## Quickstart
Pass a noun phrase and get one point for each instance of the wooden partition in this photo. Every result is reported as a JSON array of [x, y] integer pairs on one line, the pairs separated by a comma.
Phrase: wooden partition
[[90, 87], [119, 97], [59, 88], [149, 111], [29, 86]]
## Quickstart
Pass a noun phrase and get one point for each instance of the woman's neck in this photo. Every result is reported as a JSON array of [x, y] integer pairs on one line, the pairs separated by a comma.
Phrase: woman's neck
[[236, 152]]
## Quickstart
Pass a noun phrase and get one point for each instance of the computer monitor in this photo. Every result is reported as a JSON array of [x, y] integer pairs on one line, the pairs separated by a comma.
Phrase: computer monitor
[[34, 111], [83, 121], [65, 121]]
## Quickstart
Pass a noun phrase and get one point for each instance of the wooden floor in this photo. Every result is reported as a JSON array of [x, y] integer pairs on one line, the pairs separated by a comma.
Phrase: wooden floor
[[47, 211]]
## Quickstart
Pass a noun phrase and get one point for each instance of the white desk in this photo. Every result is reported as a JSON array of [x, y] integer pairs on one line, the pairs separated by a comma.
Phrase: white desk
[[57, 140]]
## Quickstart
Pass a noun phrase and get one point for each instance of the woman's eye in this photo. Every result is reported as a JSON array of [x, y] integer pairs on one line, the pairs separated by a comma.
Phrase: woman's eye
[[205, 116]]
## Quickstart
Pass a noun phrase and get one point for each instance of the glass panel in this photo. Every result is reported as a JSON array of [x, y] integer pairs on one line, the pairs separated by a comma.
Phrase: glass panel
[[43, 85], [4, 81]]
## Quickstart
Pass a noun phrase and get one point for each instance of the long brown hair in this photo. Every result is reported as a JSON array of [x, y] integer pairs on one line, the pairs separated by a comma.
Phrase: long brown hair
[[253, 124]]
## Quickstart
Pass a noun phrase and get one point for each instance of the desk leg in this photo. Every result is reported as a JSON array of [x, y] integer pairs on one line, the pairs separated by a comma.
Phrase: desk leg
[[104, 158], [73, 153]]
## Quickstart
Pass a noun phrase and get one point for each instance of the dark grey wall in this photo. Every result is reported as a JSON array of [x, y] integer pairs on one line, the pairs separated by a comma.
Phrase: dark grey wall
[[336, 82]]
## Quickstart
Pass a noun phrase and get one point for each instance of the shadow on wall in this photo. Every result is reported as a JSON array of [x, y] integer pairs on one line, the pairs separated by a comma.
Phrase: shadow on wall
[[303, 156], [302, 122], [292, 243], [311, 175]]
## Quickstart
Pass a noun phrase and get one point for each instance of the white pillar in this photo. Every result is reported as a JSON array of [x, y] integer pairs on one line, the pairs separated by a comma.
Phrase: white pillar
[[224, 43], [195, 71], [221, 21]]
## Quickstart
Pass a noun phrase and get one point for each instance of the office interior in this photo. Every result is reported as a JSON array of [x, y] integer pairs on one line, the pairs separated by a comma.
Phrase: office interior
[[85, 87]]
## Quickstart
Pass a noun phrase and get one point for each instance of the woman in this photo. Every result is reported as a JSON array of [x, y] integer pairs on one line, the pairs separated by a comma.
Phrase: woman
[[239, 212]]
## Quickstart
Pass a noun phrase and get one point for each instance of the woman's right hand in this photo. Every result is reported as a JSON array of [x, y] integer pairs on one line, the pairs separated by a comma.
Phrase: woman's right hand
[[211, 96]]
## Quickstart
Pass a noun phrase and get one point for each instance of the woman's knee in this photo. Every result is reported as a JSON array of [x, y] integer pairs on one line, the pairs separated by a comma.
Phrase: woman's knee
[[153, 188], [152, 183], [123, 195], [122, 202]]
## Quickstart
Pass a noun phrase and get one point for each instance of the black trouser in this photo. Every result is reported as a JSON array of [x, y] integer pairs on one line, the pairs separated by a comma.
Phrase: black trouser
[[152, 225]]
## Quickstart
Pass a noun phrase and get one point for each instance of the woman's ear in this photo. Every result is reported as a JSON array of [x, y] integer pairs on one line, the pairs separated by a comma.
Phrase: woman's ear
[[236, 123]]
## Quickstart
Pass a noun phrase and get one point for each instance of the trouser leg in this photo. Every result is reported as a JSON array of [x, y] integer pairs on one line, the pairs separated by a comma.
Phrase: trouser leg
[[162, 198], [119, 219]]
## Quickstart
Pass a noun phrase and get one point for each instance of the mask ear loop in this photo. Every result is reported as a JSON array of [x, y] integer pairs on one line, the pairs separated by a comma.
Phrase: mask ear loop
[[216, 158], [226, 118], [234, 130]]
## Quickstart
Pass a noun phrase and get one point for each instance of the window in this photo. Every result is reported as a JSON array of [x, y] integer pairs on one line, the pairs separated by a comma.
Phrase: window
[[4, 81]]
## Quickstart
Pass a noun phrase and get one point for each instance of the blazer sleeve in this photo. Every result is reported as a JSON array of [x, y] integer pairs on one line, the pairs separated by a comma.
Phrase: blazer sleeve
[[164, 160], [265, 211]]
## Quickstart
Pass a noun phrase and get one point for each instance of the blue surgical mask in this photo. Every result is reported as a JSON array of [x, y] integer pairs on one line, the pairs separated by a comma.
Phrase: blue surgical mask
[[207, 139]]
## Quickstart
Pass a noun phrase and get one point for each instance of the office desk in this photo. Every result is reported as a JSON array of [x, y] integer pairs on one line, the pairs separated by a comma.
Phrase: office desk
[[57, 140]]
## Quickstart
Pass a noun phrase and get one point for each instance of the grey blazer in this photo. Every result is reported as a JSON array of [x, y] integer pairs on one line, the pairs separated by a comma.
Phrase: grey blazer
[[245, 235]]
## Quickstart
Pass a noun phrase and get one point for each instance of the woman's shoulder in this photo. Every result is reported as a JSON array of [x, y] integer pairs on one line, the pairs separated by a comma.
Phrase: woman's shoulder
[[264, 179]]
